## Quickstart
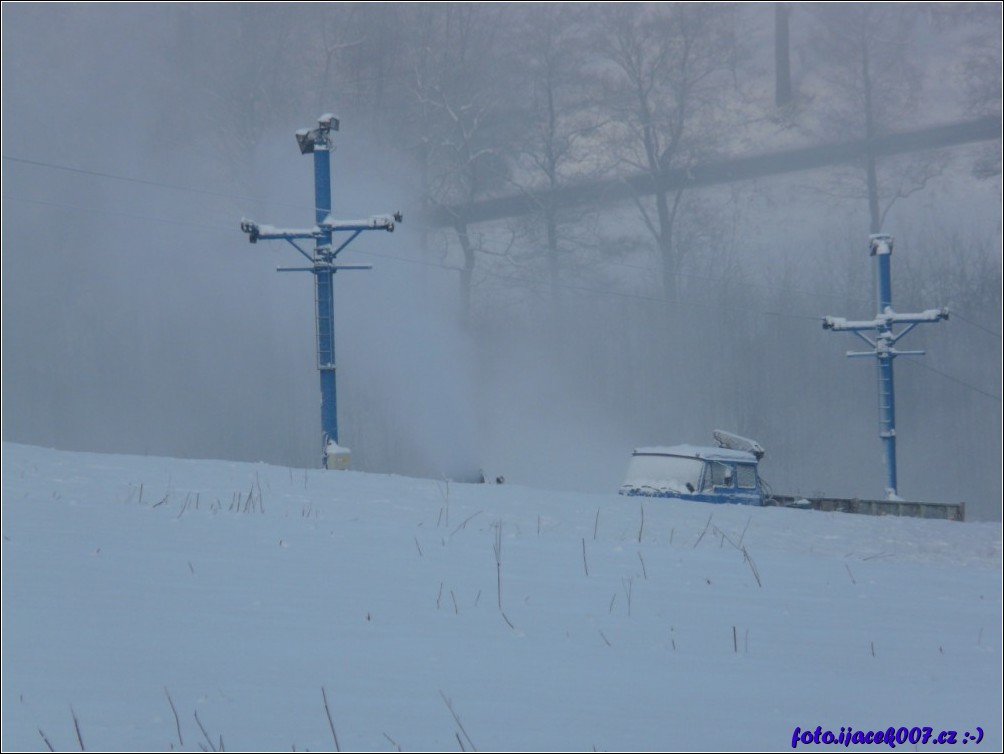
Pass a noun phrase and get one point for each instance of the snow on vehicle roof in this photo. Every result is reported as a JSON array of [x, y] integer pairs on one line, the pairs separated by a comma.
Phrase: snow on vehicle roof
[[697, 451]]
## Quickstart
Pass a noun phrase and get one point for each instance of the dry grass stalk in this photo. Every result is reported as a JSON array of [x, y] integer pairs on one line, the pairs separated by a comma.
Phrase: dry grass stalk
[[331, 724]]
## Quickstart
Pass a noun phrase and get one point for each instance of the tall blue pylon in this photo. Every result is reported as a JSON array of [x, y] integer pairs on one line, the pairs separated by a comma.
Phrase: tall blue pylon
[[882, 347], [323, 265]]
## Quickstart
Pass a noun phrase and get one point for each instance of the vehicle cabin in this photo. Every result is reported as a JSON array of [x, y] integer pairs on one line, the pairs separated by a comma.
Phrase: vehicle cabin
[[701, 474]]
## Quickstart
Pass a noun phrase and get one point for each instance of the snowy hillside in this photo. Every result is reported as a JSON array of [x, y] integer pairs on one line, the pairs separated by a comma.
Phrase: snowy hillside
[[436, 616]]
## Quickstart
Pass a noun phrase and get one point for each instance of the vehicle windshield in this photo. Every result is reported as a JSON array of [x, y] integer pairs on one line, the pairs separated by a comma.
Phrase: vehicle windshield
[[664, 473]]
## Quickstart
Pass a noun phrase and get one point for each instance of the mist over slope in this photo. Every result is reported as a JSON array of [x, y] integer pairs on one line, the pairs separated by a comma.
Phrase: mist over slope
[[138, 319]]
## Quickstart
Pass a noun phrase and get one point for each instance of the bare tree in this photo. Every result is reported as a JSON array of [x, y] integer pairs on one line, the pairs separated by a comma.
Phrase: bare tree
[[239, 74], [361, 55], [981, 78], [670, 64], [460, 94], [871, 82], [562, 128]]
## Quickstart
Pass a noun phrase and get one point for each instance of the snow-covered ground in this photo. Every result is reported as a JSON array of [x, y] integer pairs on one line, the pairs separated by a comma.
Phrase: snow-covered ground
[[435, 616]]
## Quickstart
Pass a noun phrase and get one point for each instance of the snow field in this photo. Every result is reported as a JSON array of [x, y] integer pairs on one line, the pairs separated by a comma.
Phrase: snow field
[[243, 590]]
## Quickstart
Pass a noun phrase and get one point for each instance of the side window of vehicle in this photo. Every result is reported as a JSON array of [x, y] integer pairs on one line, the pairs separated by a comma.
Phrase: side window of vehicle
[[721, 474], [708, 477], [746, 475]]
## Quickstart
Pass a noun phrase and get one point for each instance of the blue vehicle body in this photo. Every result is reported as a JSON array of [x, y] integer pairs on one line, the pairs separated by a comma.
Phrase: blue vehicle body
[[700, 474]]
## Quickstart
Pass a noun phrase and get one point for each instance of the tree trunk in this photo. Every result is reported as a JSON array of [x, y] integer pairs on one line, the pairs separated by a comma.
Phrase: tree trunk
[[552, 260], [875, 224], [871, 173], [466, 272], [782, 57], [666, 251]]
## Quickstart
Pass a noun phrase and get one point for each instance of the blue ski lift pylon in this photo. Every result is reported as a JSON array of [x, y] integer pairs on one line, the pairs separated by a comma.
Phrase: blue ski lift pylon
[[883, 347], [323, 265]]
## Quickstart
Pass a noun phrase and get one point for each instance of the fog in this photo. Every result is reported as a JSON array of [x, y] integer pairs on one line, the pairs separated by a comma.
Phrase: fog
[[137, 318]]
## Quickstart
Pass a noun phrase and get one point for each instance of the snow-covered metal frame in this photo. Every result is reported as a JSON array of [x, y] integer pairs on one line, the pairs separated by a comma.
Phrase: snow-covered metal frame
[[323, 265], [882, 347]]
